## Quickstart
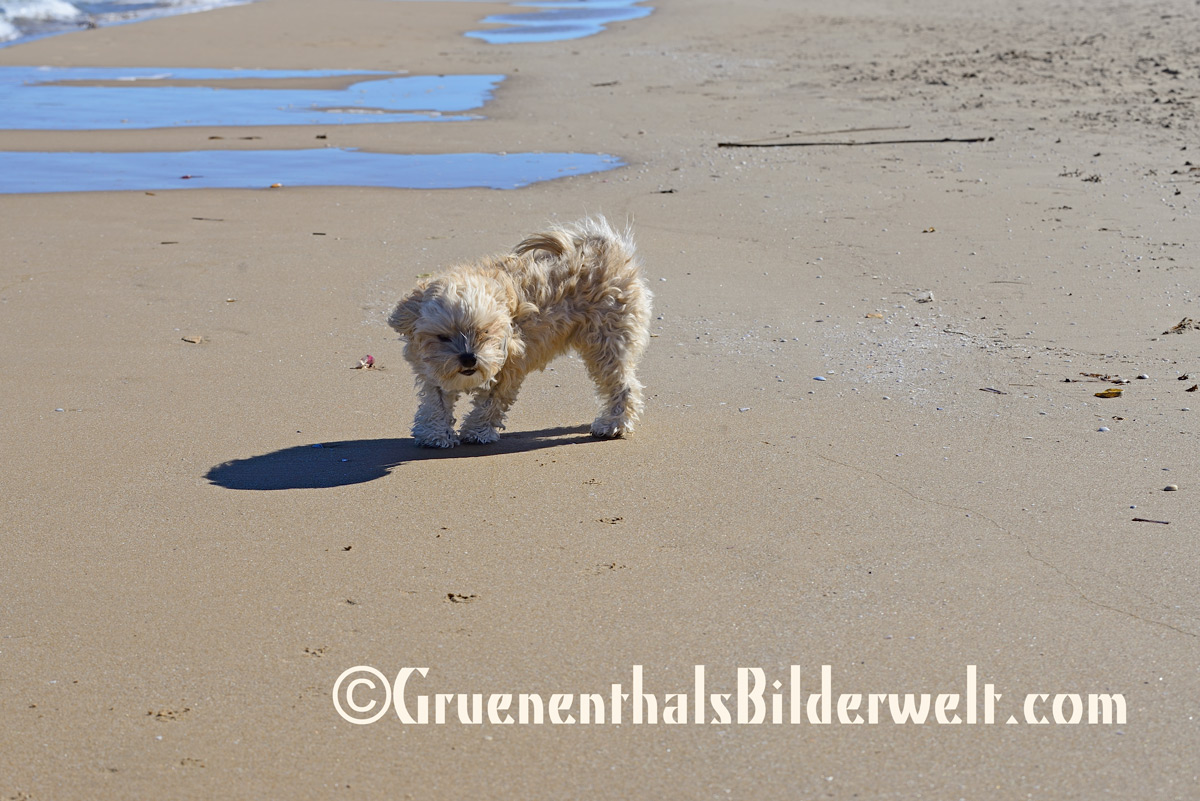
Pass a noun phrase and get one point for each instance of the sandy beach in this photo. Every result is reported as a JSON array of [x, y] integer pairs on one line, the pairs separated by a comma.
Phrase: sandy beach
[[872, 440]]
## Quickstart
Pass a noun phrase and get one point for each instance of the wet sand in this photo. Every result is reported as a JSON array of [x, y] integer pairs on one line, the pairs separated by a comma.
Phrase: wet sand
[[186, 575]]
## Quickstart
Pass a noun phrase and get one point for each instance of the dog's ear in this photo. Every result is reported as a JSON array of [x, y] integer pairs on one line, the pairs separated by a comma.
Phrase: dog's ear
[[515, 344], [518, 310], [404, 317], [522, 311]]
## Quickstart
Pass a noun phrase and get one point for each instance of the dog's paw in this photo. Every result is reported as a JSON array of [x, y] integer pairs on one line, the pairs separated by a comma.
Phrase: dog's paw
[[480, 436], [436, 439], [608, 428]]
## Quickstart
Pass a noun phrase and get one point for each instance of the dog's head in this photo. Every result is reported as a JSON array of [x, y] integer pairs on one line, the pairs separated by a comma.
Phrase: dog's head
[[459, 330]]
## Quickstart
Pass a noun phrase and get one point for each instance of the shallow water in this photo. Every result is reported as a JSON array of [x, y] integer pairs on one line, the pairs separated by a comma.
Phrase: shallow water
[[553, 20], [559, 20], [25, 172], [33, 98], [42, 98]]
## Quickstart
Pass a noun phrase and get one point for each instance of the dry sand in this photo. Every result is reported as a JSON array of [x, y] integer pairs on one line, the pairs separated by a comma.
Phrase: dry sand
[[185, 576]]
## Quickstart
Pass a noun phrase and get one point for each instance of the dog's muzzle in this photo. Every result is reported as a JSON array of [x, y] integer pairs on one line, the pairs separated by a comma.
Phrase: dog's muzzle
[[468, 362]]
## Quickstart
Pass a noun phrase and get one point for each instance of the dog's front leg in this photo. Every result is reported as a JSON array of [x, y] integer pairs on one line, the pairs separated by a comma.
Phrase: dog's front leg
[[434, 424], [483, 424]]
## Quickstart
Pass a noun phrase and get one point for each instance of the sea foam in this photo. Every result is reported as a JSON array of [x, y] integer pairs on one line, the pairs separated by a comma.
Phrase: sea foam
[[21, 20]]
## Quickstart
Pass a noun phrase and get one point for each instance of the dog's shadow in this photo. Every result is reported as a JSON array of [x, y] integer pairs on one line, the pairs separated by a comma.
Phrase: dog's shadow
[[339, 464]]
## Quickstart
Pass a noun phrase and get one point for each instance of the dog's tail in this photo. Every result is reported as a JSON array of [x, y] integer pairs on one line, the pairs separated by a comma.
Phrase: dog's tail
[[589, 233]]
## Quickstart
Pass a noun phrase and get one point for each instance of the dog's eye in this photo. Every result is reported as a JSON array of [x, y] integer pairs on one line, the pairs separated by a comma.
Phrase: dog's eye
[[443, 338]]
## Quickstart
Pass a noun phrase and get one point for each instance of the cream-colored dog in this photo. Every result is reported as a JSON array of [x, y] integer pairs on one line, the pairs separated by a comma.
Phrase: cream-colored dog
[[483, 327]]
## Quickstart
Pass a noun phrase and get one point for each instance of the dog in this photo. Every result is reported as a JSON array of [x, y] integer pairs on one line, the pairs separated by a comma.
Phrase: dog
[[482, 327]]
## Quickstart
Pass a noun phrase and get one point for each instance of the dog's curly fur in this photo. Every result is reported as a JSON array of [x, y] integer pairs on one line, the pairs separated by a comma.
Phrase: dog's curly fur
[[482, 327]]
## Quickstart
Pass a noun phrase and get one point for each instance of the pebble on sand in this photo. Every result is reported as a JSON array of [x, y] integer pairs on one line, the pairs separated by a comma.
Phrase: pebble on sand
[[1171, 488]]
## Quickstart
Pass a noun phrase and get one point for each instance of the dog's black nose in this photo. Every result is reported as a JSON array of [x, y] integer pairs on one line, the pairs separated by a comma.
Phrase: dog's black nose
[[467, 359]]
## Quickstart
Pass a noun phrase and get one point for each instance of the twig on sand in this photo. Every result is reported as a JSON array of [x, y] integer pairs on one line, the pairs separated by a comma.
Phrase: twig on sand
[[776, 138], [1147, 520], [853, 143], [1185, 324]]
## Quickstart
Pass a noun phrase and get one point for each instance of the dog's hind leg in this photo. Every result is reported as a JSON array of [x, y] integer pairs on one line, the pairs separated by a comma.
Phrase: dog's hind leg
[[611, 366], [484, 422], [434, 424]]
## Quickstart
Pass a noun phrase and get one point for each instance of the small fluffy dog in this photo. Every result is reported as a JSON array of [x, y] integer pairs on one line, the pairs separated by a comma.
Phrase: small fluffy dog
[[483, 327]]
